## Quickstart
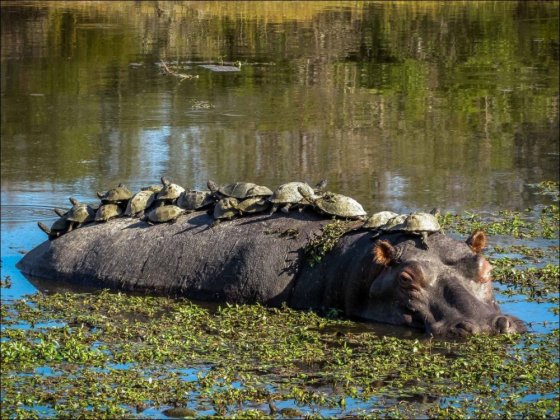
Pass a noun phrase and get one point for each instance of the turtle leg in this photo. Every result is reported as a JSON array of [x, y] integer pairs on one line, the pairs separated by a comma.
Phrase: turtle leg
[[424, 238], [286, 208], [44, 228], [273, 209], [215, 223]]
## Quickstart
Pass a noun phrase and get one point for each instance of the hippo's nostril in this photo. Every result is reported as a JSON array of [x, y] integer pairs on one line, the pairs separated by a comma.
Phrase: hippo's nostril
[[503, 325]]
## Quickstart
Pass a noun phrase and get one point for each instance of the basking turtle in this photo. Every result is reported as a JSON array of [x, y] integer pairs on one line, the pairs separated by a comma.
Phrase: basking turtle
[[169, 192], [139, 202], [239, 190], [252, 205], [379, 219], [107, 211], [153, 188], [226, 208], [421, 224], [60, 226], [289, 195], [80, 213], [163, 214], [335, 204], [195, 200], [117, 195]]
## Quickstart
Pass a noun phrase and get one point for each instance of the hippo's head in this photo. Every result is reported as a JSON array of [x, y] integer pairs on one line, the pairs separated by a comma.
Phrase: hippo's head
[[445, 289]]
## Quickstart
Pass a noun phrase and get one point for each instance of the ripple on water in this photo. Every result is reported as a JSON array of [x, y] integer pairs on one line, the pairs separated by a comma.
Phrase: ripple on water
[[20, 213]]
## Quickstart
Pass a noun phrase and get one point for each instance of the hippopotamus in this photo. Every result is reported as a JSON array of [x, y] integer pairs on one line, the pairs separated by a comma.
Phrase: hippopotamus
[[444, 289]]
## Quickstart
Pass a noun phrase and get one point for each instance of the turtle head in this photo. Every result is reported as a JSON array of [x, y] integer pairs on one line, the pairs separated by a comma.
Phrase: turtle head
[[74, 201], [165, 181], [212, 186], [321, 185], [305, 194]]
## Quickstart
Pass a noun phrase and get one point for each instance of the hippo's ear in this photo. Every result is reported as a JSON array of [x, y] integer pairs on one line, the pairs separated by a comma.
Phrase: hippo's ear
[[477, 241], [384, 253]]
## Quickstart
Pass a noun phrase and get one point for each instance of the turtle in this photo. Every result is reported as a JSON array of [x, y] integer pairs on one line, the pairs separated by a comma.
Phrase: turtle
[[419, 223], [239, 190], [80, 213], [252, 205], [163, 214], [139, 203], [153, 188], [60, 226], [195, 200], [288, 195], [378, 219], [335, 204], [169, 192], [226, 208], [117, 195], [107, 211]]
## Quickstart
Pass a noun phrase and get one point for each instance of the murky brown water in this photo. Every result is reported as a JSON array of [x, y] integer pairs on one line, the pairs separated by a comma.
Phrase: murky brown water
[[403, 106]]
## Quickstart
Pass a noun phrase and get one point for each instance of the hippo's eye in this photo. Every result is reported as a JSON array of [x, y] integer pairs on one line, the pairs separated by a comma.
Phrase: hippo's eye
[[410, 279]]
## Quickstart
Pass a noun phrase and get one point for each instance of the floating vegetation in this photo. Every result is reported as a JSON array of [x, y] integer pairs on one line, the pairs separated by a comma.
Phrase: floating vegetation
[[519, 224], [112, 355], [550, 188]]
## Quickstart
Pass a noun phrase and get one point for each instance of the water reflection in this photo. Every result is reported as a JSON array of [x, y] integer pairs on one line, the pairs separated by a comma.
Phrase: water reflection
[[400, 106]]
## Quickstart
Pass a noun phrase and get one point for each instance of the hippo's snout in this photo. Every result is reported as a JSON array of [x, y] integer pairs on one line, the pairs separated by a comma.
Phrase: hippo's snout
[[500, 324], [505, 324]]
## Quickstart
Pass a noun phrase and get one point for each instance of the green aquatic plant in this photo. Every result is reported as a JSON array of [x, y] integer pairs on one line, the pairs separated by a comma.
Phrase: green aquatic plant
[[320, 244], [111, 355]]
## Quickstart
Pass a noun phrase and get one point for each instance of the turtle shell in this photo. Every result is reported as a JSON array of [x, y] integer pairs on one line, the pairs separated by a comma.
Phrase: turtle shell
[[290, 194], [396, 223], [80, 213], [107, 211], [165, 214], [226, 208], [339, 205], [116, 195], [195, 200], [169, 191], [379, 219], [241, 190], [253, 205], [421, 222], [139, 202], [153, 188]]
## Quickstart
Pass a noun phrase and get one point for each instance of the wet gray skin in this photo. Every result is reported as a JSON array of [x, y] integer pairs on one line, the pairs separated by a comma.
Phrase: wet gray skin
[[445, 290]]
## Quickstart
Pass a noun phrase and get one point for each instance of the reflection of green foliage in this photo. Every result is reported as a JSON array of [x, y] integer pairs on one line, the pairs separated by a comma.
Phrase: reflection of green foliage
[[433, 77]]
